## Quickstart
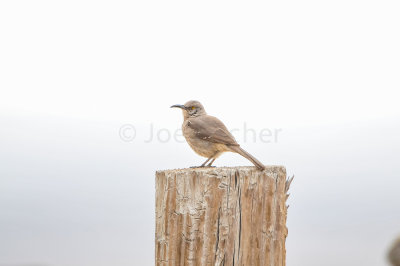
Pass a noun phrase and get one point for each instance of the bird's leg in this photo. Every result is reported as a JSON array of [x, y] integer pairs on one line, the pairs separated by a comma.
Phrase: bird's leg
[[215, 156], [206, 161], [209, 165], [203, 163]]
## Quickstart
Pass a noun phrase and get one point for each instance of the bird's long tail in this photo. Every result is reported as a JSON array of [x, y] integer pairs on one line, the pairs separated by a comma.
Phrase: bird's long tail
[[248, 156]]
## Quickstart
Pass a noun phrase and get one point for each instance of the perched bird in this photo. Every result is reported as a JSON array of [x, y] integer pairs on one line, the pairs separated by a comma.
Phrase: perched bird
[[208, 136]]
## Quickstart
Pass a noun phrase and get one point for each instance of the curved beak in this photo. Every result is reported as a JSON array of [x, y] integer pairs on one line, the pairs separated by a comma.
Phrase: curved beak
[[178, 106]]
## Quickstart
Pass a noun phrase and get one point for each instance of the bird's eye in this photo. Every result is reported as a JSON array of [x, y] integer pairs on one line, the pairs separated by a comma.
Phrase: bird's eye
[[193, 107]]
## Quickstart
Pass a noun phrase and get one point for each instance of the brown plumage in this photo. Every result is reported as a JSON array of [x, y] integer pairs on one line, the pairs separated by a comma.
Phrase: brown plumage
[[208, 136]]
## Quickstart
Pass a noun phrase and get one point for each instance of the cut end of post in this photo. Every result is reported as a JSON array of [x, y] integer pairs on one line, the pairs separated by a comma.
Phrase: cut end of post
[[268, 168]]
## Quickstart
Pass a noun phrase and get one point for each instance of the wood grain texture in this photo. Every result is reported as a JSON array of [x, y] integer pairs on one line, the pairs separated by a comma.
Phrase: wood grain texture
[[221, 216]]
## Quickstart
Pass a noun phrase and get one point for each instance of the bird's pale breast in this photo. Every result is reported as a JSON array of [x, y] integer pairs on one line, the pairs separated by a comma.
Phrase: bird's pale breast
[[202, 147]]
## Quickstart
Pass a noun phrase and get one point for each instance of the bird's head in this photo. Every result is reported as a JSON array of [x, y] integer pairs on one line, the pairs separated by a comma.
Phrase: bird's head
[[191, 109]]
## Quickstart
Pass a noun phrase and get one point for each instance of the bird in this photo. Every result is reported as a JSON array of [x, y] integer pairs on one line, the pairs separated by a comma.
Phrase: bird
[[208, 136]]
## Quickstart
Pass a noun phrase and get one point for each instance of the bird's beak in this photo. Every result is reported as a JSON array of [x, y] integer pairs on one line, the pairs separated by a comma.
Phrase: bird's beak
[[178, 106]]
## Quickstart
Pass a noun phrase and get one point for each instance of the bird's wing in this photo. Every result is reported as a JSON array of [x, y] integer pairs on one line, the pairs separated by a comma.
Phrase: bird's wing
[[211, 129]]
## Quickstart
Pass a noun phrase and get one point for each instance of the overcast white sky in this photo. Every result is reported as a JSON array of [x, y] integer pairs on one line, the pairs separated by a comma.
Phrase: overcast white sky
[[73, 72], [296, 62]]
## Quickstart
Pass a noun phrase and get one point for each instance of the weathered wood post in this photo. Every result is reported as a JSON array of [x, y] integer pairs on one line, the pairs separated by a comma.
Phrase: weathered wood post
[[221, 216]]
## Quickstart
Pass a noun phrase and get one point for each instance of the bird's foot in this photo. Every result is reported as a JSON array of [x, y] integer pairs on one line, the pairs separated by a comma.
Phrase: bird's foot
[[202, 166]]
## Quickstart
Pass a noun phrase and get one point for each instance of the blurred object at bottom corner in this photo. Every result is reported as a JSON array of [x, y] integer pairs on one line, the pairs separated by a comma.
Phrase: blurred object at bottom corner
[[394, 253]]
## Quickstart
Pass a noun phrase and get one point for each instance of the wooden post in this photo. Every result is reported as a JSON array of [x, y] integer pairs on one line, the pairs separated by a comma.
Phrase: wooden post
[[221, 216]]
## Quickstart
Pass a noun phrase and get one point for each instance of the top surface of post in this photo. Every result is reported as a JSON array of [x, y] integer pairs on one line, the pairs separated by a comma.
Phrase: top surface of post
[[270, 168]]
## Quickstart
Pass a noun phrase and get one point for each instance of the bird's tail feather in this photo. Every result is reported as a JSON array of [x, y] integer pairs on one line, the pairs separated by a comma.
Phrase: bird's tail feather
[[248, 156]]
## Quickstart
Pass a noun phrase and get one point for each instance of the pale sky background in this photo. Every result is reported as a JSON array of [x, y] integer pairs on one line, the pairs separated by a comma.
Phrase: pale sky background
[[325, 73]]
